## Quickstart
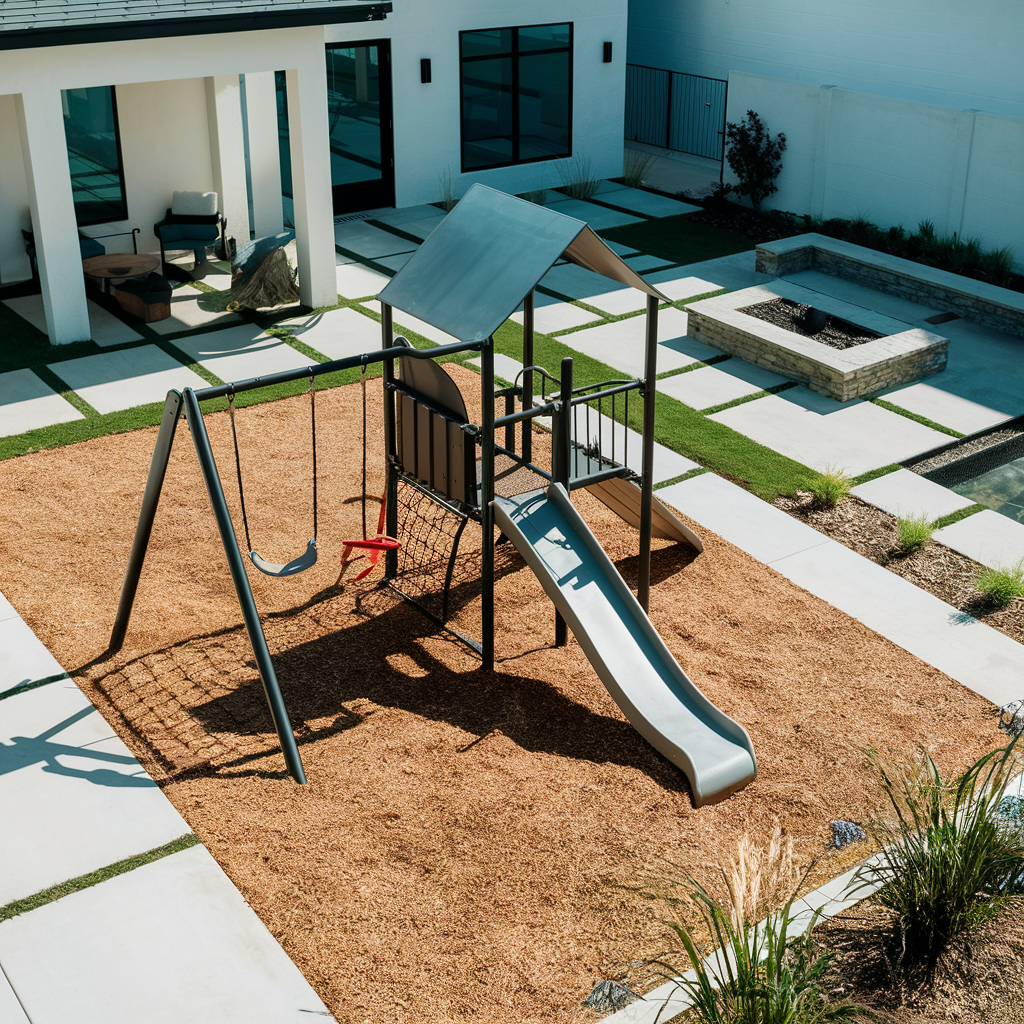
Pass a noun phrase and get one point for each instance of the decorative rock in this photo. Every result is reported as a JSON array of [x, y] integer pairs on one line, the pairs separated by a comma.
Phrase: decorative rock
[[1011, 718], [846, 832], [610, 995]]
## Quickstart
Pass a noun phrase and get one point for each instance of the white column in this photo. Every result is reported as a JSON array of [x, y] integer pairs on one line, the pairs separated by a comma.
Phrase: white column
[[264, 153], [41, 123], [227, 149], [311, 181]]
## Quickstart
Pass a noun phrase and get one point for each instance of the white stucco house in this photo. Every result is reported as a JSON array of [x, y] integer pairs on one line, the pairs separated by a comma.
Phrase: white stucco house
[[296, 110], [902, 111]]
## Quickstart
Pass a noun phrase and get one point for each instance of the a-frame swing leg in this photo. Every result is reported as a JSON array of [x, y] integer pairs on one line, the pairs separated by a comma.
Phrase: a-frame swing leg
[[271, 689]]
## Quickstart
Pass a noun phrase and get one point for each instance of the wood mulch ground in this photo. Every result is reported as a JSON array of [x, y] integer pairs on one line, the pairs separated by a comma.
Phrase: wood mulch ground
[[941, 571], [468, 847]]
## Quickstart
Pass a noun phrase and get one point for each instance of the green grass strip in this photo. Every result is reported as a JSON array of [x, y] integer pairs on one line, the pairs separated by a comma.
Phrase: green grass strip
[[773, 390], [678, 240], [874, 474], [955, 517], [914, 416], [121, 867], [33, 685], [397, 231], [688, 475]]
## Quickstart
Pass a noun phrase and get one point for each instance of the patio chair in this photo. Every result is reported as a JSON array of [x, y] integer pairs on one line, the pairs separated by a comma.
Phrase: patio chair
[[194, 223], [89, 247]]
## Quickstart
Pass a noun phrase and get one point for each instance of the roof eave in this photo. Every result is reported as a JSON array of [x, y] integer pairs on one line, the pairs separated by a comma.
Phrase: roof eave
[[156, 28]]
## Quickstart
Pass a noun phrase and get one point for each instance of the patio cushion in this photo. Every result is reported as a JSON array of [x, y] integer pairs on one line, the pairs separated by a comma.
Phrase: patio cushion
[[90, 247], [188, 236], [194, 204]]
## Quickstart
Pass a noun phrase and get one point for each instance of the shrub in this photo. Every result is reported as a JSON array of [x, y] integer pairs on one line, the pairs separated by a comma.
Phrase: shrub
[[578, 180], [755, 158], [635, 165], [1002, 585], [915, 533], [759, 973], [949, 859], [448, 197], [831, 487]]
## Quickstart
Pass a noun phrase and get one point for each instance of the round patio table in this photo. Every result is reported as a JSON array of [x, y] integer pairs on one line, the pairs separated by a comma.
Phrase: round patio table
[[123, 265]]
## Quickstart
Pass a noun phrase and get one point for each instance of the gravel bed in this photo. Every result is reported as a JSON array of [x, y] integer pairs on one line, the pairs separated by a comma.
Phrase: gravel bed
[[800, 319], [960, 451], [941, 571]]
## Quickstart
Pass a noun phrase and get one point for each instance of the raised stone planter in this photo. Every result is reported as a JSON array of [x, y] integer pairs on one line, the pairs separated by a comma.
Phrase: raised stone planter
[[973, 300], [902, 355]]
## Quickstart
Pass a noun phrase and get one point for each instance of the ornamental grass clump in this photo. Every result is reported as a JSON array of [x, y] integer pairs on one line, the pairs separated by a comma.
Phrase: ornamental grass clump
[[915, 533], [1002, 585], [756, 971], [578, 181], [950, 859], [830, 487], [636, 165]]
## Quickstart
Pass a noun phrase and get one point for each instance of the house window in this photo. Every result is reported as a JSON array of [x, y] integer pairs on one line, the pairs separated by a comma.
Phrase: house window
[[94, 154], [516, 95]]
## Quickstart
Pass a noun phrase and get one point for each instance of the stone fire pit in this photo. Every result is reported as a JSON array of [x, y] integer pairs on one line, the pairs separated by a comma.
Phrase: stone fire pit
[[899, 355]]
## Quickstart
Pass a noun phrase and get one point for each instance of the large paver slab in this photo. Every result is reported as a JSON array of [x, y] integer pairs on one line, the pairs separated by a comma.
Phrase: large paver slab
[[979, 657], [25, 659], [241, 352], [395, 263], [604, 187], [861, 295], [107, 329], [621, 250], [551, 315], [944, 407], [575, 281], [621, 344], [11, 1010], [172, 941], [338, 333], [600, 218], [642, 263], [989, 538], [356, 281], [741, 518], [650, 204], [72, 794], [730, 272], [504, 366], [851, 436], [127, 378], [417, 326], [6, 609], [406, 214], [683, 287], [420, 228], [905, 494], [191, 308], [26, 403], [617, 301], [709, 386], [368, 241]]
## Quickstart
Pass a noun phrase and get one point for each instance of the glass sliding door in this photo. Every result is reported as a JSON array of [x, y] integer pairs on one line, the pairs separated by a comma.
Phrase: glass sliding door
[[94, 154], [359, 120]]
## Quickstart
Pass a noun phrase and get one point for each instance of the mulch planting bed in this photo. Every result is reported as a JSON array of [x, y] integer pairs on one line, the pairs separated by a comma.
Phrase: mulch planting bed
[[941, 571], [468, 847]]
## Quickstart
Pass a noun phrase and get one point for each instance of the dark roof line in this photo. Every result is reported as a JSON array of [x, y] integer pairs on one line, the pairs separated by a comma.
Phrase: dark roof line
[[154, 28]]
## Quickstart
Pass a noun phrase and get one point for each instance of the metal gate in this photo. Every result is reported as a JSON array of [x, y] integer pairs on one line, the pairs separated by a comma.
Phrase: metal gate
[[676, 111]]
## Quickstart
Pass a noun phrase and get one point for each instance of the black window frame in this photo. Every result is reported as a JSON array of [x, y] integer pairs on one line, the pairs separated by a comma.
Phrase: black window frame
[[89, 222], [514, 90]]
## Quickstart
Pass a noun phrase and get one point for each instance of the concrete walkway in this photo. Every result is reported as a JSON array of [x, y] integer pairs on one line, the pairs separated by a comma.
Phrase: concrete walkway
[[169, 941]]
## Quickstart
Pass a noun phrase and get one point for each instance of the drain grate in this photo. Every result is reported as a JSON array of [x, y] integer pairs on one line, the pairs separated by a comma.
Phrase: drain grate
[[941, 318]]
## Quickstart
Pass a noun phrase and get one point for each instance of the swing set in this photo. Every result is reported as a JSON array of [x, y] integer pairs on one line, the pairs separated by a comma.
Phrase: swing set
[[477, 267]]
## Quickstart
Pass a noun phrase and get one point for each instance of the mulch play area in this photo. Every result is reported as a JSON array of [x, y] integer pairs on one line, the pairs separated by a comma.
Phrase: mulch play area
[[467, 847]]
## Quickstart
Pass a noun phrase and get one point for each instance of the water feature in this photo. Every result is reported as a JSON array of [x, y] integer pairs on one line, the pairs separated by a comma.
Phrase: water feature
[[1000, 489]]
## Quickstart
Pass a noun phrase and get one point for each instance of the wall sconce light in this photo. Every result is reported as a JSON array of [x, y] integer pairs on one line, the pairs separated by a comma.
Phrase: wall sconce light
[[607, 53], [425, 71]]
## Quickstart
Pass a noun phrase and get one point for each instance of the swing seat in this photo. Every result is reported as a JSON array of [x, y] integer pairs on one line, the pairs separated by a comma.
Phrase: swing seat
[[374, 546], [292, 568]]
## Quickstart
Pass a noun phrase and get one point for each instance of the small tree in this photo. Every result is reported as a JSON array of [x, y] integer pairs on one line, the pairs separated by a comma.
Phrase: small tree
[[755, 158]]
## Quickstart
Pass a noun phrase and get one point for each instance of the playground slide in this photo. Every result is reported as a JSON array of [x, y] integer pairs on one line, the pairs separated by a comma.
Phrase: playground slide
[[625, 649]]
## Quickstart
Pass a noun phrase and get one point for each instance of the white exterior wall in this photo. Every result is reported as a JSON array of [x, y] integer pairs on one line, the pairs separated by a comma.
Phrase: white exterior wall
[[427, 117], [14, 202], [943, 52], [851, 154]]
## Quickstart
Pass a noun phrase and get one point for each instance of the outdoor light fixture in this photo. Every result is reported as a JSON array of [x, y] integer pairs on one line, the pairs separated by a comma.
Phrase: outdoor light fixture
[[425, 70], [607, 53]]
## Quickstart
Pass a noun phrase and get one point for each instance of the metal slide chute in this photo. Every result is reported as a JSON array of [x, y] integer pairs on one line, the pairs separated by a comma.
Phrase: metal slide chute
[[629, 656]]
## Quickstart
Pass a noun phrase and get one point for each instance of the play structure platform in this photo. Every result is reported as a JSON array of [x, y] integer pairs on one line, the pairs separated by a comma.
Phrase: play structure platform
[[627, 653]]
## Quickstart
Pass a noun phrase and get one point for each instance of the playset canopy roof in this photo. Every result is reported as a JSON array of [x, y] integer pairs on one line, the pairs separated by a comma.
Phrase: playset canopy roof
[[490, 252]]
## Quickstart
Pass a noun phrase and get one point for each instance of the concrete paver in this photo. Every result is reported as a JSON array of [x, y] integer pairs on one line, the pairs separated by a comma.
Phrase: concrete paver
[[860, 295], [72, 793], [26, 403], [650, 204], [338, 333], [731, 272], [988, 537], [191, 309], [417, 326], [406, 214], [394, 263], [172, 941], [504, 366], [356, 281], [551, 314], [11, 1010], [852, 436], [644, 263], [716, 385], [940, 406], [126, 378], [574, 281], [25, 659], [682, 287], [107, 329], [368, 241], [905, 494], [241, 352], [600, 218], [420, 228], [621, 250]]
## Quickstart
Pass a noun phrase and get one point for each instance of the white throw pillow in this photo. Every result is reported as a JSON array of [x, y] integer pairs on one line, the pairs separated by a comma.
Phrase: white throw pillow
[[194, 204]]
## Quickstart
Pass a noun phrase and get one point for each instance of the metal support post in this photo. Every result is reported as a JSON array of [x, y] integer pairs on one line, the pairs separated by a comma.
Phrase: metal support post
[[528, 310], [643, 590], [271, 689], [150, 500], [561, 460], [487, 505], [390, 444]]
